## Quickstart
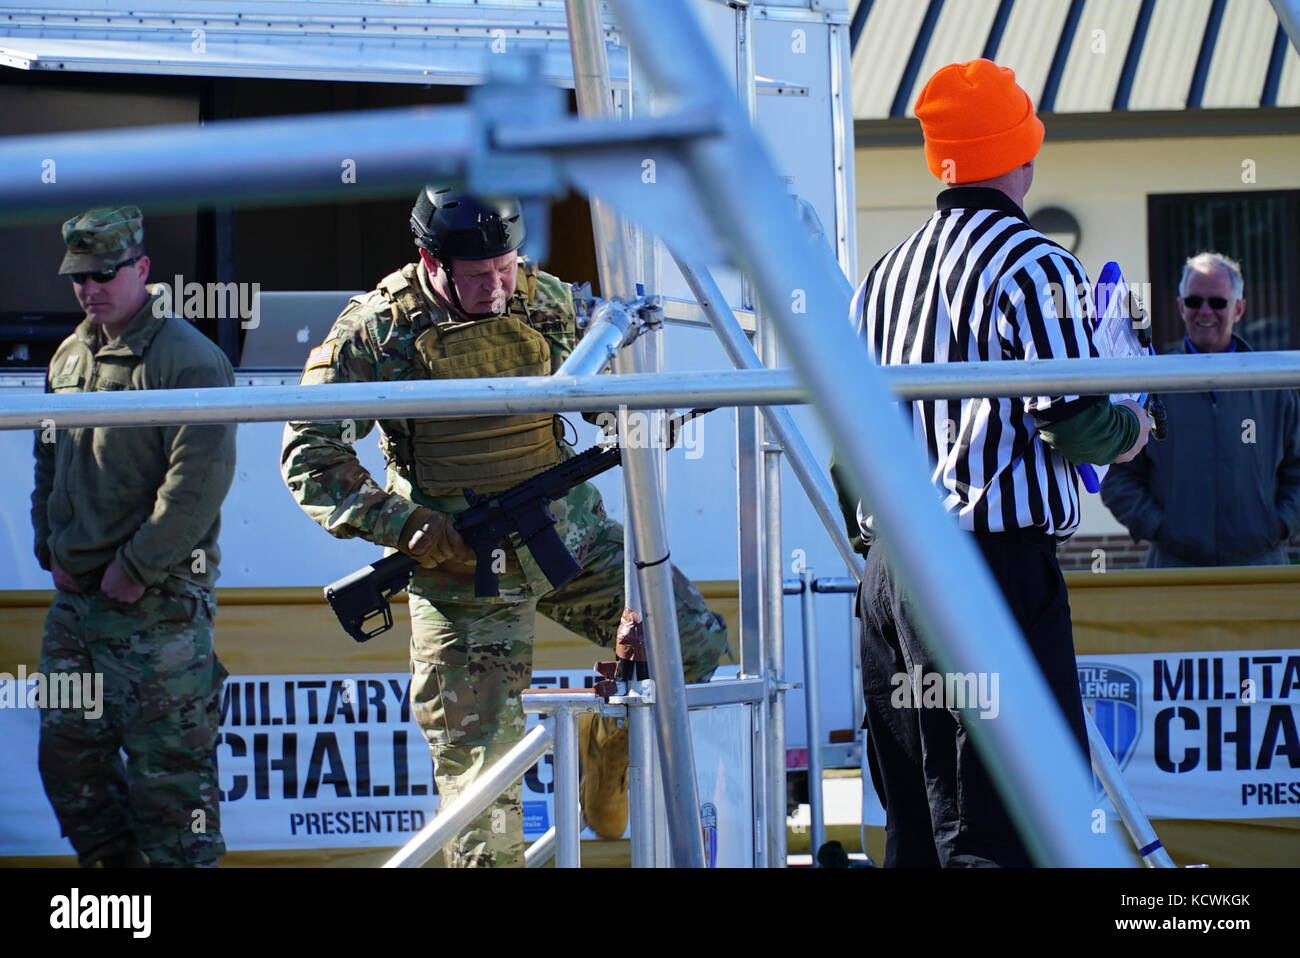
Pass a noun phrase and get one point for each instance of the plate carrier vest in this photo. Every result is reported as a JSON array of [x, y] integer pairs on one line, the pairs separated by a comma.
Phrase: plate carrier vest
[[485, 453]]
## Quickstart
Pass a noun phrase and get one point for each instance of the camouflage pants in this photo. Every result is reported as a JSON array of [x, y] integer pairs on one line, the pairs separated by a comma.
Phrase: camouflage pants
[[470, 662], [161, 695]]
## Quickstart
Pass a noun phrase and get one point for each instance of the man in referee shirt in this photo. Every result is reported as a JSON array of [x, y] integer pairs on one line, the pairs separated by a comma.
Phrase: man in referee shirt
[[976, 283]]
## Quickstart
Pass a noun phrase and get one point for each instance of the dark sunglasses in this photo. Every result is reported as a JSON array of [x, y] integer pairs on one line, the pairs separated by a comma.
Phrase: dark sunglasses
[[104, 275], [1194, 302]]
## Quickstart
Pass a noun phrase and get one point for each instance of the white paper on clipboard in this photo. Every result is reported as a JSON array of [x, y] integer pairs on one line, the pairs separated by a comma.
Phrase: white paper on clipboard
[[1114, 337]]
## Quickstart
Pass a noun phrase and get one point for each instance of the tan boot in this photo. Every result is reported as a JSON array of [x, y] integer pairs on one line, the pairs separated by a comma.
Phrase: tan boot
[[602, 789]]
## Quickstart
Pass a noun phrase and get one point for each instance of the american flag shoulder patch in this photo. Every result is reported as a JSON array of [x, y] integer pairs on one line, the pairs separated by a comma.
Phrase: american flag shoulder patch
[[322, 355]]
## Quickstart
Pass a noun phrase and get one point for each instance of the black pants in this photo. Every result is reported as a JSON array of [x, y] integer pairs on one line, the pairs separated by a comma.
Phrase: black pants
[[941, 807]]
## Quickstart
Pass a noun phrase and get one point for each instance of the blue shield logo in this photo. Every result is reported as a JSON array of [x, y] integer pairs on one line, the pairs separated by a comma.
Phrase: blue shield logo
[[709, 824], [1113, 695]]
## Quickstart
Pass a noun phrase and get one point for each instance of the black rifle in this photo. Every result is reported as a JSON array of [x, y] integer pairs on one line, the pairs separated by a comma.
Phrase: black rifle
[[525, 511], [522, 510]]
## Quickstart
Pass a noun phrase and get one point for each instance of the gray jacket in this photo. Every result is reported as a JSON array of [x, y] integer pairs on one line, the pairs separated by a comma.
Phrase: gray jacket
[[147, 496], [1224, 487]]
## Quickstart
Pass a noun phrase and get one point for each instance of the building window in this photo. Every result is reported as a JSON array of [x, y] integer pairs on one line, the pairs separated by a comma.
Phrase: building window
[[1260, 230]]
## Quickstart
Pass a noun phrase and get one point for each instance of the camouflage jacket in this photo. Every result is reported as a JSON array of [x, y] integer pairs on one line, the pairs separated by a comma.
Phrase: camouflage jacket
[[149, 496], [368, 344]]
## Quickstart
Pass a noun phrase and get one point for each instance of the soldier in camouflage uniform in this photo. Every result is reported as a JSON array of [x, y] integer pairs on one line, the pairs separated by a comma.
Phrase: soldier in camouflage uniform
[[472, 308], [126, 521]]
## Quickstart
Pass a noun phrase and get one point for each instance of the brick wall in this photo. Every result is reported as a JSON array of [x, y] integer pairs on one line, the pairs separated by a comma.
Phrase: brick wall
[[1121, 552]]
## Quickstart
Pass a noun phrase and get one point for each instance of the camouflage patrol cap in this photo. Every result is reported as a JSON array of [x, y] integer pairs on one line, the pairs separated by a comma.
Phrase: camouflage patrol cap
[[100, 238]]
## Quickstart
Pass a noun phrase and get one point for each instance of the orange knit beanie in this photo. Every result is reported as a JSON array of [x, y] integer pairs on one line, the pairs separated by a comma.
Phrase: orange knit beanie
[[978, 122]]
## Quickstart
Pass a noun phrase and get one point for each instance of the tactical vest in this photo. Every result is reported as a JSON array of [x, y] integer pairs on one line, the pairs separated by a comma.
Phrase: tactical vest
[[442, 456]]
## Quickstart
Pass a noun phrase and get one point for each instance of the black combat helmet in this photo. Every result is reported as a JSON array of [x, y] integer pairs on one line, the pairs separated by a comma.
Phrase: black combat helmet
[[451, 224]]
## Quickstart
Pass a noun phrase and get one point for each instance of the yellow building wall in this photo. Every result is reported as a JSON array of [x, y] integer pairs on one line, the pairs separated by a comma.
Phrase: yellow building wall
[[1104, 183]]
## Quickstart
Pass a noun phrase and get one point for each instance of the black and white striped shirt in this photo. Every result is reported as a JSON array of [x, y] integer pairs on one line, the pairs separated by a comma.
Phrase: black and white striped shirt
[[977, 283]]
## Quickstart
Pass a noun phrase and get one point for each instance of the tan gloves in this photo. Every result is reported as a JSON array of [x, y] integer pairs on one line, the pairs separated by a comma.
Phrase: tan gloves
[[430, 539]]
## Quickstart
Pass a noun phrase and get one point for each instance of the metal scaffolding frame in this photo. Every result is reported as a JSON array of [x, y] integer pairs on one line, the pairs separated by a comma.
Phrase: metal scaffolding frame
[[648, 578], [513, 137]]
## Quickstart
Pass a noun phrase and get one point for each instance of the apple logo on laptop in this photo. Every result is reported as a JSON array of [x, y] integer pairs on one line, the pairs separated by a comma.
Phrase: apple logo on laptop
[[304, 334]]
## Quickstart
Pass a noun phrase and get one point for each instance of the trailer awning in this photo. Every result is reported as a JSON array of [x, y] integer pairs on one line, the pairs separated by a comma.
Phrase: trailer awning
[[379, 41], [1079, 56]]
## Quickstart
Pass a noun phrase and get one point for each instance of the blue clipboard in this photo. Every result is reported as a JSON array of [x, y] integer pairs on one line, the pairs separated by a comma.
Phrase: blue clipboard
[[1108, 291]]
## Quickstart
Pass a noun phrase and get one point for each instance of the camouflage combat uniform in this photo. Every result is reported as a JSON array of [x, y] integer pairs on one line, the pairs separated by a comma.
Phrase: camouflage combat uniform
[[470, 657], [149, 497]]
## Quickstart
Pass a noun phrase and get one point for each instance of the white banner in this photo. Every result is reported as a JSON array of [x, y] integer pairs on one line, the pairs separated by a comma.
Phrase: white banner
[[1201, 734], [27, 824], [337, 761], [321, 761]]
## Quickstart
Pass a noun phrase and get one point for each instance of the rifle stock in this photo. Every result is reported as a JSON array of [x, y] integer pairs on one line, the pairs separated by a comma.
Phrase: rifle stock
[[360, 596]]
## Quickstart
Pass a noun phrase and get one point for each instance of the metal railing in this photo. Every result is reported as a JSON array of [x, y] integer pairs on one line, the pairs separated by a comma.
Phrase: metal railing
[[474, 801], [559, 709], [738, 387]]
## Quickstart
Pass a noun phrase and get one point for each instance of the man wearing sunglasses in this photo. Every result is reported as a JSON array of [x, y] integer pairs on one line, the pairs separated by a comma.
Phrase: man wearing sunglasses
[[1224, 488], [126, 521]]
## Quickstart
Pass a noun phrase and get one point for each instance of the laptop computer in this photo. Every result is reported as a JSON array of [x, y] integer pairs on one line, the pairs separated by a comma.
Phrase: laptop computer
[[289, 324]]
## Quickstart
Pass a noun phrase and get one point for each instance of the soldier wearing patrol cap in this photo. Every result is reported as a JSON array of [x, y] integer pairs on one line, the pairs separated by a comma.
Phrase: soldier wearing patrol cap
[[472, 307], [126, 521]]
